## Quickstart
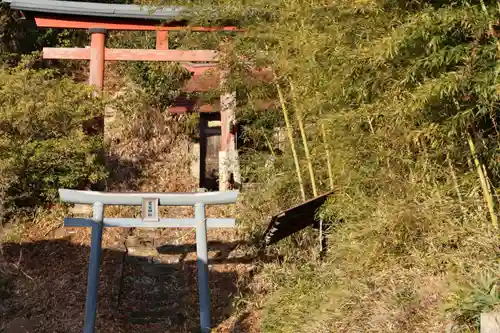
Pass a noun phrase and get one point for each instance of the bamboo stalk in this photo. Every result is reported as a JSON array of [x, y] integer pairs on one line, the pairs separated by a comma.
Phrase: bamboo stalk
[[292, 144], [488, 197], [269, 145], [486, 178], [371, 126], [455, 183], [300, 121], [491, 189], [328, 157]]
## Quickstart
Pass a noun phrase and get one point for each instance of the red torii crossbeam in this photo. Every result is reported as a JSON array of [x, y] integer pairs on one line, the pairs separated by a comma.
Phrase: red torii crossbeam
[[83, 23], [132, 54], [98, 54]]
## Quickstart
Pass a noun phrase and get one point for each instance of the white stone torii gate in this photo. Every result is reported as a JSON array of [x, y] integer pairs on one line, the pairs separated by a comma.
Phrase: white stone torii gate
[[150, 203]]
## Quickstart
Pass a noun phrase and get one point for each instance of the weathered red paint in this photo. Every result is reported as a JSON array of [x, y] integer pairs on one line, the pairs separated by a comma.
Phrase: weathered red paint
[[207, 78], [205, 108], [190, 103], [201, 82], [161, 55], [82, 23], [84, 54], [197, 70], [133, 55], [97, 59], [162, 40], [69, 53]]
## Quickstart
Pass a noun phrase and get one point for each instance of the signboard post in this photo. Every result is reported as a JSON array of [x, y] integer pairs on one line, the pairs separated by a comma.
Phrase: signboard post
[[150, 203]]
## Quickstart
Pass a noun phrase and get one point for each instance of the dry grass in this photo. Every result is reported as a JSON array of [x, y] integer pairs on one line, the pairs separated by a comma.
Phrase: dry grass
[[399, 263]]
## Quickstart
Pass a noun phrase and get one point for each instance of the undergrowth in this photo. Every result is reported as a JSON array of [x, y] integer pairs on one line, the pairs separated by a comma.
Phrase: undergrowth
[[43, 143]]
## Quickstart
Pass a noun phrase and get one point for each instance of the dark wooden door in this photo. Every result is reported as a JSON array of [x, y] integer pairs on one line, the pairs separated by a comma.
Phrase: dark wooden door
[[210, 133]]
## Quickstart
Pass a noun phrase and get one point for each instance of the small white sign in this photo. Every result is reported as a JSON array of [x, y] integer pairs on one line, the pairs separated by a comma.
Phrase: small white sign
[[150, 210]]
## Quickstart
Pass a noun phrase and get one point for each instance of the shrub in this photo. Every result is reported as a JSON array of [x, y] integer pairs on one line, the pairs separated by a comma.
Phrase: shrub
[[42, 143]]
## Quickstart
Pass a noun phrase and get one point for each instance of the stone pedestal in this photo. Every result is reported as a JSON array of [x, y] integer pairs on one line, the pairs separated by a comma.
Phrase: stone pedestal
[[195, 161], [490, 322], [231, 178]]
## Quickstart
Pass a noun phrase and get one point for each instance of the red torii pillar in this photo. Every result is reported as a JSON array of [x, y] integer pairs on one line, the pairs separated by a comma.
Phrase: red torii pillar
[[98, 51], [162, 40], [97, 57]]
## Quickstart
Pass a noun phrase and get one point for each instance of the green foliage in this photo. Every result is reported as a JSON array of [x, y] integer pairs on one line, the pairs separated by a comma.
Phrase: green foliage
[[161, 81], [20, 37], [43, 146], [13, 30], [474, 298]]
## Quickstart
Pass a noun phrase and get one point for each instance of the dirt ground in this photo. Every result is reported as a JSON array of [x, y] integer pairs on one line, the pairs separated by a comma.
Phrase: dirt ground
[[148, 283]]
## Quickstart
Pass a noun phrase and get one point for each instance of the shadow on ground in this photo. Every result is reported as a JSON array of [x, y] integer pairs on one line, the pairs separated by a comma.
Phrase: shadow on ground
[[43, 286], [223, 253]]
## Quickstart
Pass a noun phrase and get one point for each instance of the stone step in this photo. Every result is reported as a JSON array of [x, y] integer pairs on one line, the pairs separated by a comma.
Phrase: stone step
[[169, 258], [142, 251], [134, 241]]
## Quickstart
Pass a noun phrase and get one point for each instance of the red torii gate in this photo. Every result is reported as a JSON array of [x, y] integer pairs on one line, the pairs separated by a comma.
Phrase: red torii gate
[[78, 15]]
